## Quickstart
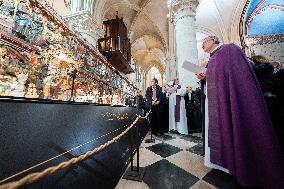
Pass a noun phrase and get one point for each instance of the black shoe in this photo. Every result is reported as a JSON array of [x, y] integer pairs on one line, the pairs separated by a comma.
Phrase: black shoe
[[173, 131]]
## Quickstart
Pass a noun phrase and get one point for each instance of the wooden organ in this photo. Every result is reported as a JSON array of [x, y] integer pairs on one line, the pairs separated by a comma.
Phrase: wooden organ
[[116, 45]]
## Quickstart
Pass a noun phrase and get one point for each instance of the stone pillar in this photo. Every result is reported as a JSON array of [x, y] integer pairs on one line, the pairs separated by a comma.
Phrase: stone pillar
[[142, 84], [75, 6], [185, 35], [88, 5], [171, 71]]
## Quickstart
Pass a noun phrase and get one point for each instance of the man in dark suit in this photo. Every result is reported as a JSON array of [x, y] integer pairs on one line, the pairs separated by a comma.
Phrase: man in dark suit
[[154, 97]]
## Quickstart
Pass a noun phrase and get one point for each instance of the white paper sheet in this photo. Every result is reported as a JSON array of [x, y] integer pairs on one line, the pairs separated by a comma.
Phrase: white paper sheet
[[191, 67]]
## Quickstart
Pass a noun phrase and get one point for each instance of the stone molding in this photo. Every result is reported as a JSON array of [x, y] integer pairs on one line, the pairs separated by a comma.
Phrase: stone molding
[[84, 22], [264, 39]]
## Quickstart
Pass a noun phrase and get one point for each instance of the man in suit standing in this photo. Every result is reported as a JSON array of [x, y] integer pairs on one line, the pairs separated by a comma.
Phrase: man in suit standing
[[154, 97]]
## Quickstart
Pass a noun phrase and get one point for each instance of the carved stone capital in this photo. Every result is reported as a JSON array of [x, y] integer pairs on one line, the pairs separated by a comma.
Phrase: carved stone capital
[[179, 5], [264, 39], [184, 8]]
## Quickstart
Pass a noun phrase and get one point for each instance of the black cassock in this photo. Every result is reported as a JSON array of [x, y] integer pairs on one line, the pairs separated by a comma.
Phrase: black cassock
[[165, 113], [196, 102], [189, 113]]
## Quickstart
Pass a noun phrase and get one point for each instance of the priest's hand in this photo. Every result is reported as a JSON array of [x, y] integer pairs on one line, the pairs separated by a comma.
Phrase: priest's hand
[[201, 75]]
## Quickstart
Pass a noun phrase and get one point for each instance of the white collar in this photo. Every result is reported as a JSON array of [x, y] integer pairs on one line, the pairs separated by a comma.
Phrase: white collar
[[218, 46]]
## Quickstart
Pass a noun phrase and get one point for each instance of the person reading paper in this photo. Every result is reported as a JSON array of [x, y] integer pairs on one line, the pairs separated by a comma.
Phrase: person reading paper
[[239, 137]]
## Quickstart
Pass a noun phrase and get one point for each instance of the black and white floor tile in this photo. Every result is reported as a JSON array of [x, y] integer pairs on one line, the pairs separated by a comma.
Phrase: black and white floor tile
[[176, 162], [164, 149]]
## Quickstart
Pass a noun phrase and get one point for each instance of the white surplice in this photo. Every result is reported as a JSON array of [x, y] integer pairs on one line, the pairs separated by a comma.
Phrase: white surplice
[[207, 161], [180, 126]]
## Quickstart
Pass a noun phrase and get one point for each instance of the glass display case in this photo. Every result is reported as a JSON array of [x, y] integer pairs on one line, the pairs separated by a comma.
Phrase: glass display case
[[42, 57]]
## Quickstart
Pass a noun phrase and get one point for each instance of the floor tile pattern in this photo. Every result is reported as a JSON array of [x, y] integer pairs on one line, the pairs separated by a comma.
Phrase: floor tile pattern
[[176, 162]]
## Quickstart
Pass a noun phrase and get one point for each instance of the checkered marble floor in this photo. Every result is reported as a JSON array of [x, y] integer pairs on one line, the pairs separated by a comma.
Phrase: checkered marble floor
[[175, 162]]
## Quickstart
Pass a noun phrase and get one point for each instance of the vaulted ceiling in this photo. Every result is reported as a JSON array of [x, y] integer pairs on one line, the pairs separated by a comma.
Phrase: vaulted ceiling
[[147, 24], [220, 17]]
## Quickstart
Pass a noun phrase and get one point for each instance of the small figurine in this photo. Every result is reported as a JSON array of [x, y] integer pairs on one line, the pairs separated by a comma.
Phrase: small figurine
[[47, 87], [22, 20], [19, 89], [81, 96], [33, 59], [36, 26], [6, 84], [32, 92], [8, 9], [116, 99], [100, 101], [108, 99]]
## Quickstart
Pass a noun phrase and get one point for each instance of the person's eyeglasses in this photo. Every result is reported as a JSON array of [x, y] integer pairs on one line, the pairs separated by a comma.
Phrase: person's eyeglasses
[[206, 40]]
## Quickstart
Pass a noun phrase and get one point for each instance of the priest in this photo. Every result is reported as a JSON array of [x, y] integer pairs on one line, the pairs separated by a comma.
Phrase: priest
[[177, 112], [239, 137]]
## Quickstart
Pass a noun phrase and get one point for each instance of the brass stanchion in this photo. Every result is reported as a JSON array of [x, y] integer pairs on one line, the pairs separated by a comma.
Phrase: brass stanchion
[[134, 173], [151, 139]]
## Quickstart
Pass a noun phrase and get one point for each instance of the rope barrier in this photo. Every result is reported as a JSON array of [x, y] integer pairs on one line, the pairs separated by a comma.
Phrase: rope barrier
[[59, 155], [48, 171]]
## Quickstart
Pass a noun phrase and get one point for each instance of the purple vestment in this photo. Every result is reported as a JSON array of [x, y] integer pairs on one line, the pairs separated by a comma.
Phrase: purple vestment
[[241, 137], [177, 108]]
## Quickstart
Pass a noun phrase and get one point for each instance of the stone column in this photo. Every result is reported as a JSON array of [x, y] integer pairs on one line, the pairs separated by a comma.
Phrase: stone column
[[185, 35], [75, 6], [88, 5], [143, 81], [171, 71]]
